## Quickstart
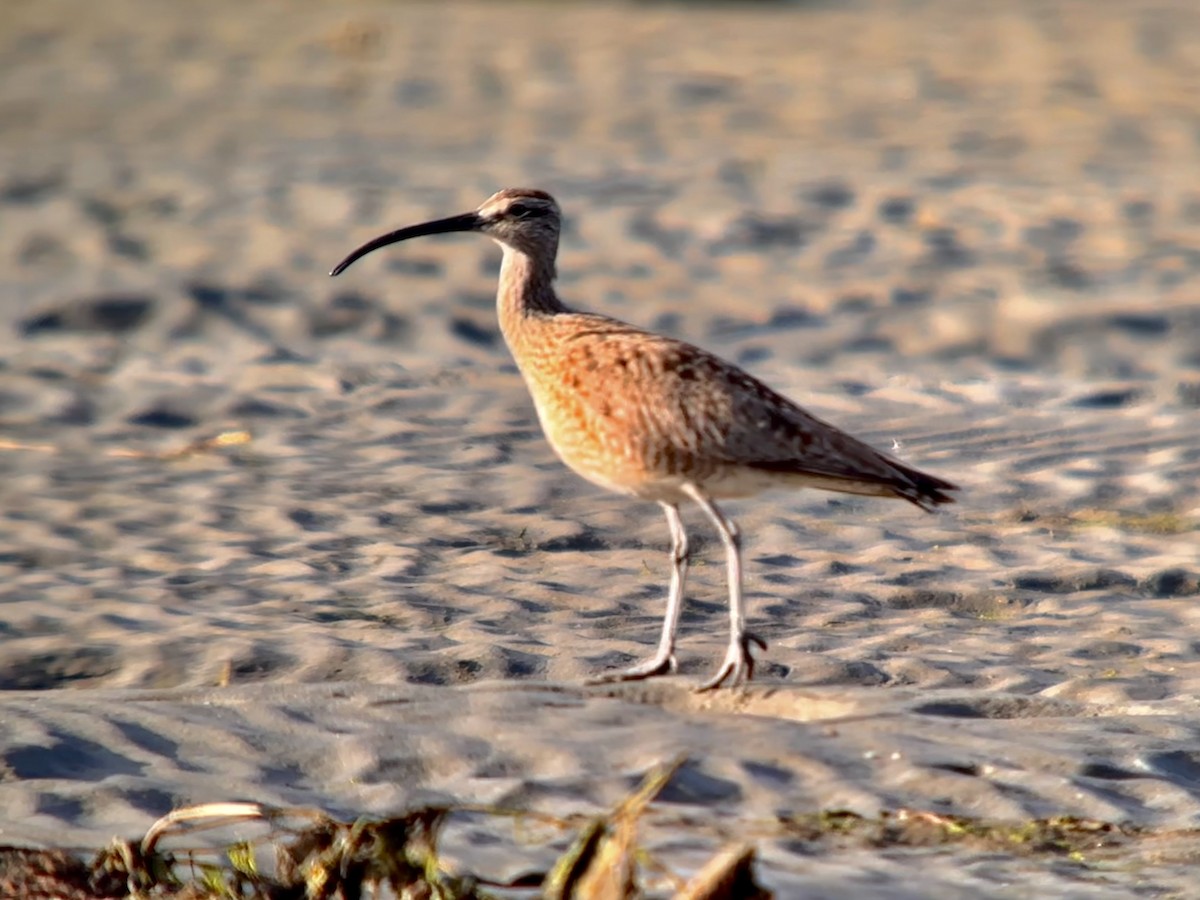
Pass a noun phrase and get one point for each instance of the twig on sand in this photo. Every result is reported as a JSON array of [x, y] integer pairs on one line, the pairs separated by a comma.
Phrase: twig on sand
[[192, 448]]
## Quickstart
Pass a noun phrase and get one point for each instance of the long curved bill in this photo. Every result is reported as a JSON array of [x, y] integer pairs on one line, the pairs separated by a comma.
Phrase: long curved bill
[[465, 222]]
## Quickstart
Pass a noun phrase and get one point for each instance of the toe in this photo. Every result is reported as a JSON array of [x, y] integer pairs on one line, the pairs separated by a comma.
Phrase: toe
[[648, 669]]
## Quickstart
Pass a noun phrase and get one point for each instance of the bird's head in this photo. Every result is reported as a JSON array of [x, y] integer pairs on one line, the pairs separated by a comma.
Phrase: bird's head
[[521, 218]]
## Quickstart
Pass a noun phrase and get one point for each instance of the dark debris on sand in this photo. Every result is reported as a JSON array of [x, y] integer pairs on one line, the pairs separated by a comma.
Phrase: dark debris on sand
[[328, 859]]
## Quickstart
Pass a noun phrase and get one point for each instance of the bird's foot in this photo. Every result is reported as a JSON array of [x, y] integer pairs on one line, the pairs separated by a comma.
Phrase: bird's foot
[[738, 667], [660, 664]]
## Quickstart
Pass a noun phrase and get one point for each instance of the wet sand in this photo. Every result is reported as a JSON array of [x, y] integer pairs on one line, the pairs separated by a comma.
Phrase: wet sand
[[971, 235]]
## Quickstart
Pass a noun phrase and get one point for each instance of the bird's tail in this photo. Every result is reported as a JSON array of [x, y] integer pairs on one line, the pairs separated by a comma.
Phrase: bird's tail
[[925, 491]]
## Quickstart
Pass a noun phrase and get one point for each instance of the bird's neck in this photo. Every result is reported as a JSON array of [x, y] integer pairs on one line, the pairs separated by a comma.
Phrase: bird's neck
[[526, 291]]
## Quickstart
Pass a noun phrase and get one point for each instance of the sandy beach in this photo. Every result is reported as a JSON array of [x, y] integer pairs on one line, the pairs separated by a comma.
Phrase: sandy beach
[[267, 535]]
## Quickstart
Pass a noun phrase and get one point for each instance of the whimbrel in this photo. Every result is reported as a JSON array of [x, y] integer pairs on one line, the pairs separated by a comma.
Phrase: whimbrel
[[657, 418]]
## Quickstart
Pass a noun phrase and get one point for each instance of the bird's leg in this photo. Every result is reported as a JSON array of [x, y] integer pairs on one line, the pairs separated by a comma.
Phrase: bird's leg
[[738, 666], [663, 660]]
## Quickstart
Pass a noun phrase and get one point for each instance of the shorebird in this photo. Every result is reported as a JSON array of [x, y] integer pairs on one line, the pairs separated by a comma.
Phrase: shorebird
[[657, 418]]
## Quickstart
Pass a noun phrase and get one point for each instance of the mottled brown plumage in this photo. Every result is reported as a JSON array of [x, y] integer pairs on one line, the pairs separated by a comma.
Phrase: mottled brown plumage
[[658, 418]]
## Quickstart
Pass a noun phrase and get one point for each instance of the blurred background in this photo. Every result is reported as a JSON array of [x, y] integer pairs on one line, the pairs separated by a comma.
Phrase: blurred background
[[1016, 181], [973, 229], [968, 232]]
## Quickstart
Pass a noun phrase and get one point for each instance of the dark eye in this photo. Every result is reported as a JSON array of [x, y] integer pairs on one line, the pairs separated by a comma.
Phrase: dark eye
[[521, 211]]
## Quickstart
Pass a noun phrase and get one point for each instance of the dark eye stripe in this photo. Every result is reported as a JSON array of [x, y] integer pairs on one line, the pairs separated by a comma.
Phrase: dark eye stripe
[[527, 212]]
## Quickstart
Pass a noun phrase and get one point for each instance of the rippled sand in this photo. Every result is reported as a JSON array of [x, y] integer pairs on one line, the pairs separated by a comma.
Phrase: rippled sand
[[971, 235]]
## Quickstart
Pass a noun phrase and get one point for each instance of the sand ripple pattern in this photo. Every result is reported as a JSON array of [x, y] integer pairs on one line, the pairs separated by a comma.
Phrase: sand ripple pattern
[[973, 235]]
